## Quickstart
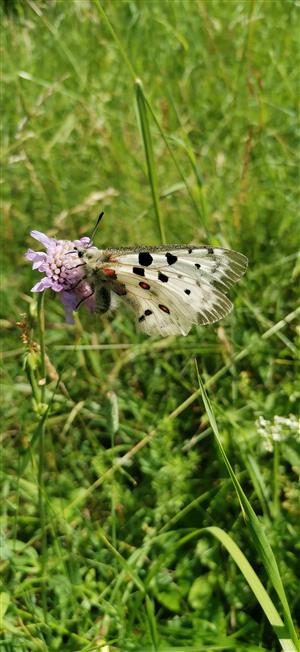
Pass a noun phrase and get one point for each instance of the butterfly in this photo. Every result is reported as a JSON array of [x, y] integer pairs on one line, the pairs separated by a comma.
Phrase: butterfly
[[169, 287]]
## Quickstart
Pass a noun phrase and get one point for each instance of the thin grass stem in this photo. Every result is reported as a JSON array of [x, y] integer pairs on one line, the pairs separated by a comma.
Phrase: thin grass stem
[[113, 427], [147, 142], [115, 37]]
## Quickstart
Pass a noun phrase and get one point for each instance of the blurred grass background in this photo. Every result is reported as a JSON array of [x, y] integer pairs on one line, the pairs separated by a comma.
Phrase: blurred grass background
[[80, 542]]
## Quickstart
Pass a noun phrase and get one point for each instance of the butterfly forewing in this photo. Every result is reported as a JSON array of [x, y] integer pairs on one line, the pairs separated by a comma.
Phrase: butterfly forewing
[[222, 264]]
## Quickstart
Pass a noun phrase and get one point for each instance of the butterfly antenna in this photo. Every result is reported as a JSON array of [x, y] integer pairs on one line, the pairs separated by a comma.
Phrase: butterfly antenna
[[96, 226]]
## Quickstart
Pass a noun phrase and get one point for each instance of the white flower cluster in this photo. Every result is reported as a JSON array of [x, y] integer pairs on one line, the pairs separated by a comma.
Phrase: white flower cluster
[[278, 429]]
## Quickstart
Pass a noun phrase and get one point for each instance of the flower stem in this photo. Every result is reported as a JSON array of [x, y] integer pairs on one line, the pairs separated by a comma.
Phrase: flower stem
[[276, 487], [41, 326], [41, 464]]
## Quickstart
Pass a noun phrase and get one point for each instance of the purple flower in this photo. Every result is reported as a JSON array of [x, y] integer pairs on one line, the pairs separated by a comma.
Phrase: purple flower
[[63, 271]]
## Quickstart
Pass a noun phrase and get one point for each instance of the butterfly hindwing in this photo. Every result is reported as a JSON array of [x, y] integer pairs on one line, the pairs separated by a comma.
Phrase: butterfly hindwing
[[157, 309]]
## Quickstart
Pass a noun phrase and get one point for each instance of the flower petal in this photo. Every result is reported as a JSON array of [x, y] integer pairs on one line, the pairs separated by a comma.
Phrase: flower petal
[[38, 261], [83, 242], [56, 286], [41, 237], [40, 265], [43, 284], [69, 301], [32, 255]]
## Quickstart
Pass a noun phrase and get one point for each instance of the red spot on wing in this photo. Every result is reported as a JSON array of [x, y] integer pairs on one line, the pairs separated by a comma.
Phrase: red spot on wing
[[164, 308], [109, 272], [144, 285]]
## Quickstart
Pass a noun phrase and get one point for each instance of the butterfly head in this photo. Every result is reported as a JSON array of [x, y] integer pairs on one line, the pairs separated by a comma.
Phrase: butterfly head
[[85, 253]]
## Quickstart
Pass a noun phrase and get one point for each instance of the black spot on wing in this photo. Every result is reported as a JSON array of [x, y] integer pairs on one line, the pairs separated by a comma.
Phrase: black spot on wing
[[197, 265], [164, 308], [187, 291], [210, 250], [190, 250], [171, 259], [163, 277], [138, 270], [145, 258], [146, 314]]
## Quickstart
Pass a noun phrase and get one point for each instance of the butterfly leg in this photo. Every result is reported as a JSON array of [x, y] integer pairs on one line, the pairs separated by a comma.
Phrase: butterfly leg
[[76, 284], [75, 266], [84, 299]]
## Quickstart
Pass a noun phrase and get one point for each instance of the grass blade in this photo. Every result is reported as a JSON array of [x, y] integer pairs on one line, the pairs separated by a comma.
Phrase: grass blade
[[256, 586], [147, 141], [257, 532]]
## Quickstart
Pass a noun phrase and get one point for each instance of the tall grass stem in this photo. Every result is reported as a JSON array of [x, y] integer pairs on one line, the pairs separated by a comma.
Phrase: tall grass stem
[[147, 142]]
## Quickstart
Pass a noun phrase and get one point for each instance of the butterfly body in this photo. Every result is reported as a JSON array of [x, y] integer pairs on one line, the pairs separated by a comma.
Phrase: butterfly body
[[170, 287]]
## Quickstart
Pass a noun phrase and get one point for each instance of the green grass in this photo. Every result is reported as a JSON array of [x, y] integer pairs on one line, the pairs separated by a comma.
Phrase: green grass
[[141, 507]]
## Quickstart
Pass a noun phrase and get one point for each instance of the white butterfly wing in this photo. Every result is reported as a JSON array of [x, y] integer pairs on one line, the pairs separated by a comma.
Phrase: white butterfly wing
[[172, 288], [157, 312]]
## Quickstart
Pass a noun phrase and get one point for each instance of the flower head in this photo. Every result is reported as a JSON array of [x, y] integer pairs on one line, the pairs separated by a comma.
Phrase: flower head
[[63, 271], [277, 429]]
